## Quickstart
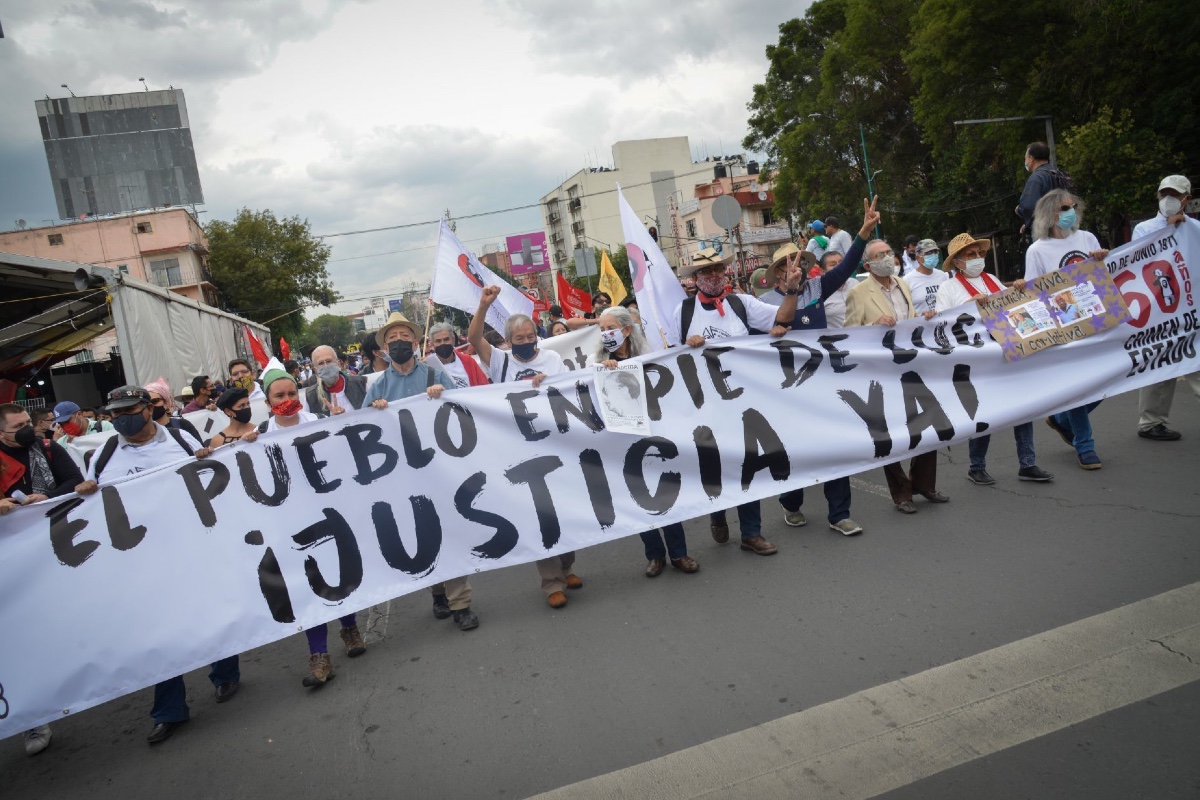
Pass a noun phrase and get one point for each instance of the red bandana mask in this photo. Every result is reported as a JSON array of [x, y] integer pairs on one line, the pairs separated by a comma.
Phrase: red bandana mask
[[288, 408]]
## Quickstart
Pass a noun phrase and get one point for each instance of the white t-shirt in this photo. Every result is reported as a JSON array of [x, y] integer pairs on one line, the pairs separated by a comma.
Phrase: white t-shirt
[[504, 368], [128, 459], [272, 423], [455, 369], [924, 288], [952, 293], [712, 325], [908, 264], [835, 306], [815, 248], [1050, 254], [1157, 223], [839, 243]]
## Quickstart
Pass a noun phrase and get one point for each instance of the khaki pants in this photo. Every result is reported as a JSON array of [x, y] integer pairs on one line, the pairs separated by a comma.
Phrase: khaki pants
[[554, 571], [1154, 402], [457, 591], [923, 478]]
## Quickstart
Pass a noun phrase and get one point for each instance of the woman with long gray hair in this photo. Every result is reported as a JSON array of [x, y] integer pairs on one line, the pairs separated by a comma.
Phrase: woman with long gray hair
[[1059, 242], [622, 338]]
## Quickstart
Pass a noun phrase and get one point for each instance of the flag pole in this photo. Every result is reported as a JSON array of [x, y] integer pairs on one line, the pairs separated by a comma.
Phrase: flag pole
[[428, 319]]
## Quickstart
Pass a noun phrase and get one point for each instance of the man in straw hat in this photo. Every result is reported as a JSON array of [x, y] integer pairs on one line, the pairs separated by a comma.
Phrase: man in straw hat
[[407, 377], [965, 254]]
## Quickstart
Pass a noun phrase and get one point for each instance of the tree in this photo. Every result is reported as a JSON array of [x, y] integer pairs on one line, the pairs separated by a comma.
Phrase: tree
[[265, 267], [330, 329]]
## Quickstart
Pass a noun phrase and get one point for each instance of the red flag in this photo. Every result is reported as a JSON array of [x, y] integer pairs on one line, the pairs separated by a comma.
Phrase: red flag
[[256, 348], [574, 302], [284, 350]]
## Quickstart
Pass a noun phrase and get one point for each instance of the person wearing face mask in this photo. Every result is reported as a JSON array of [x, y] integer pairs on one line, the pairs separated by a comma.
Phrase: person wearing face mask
[[138, 446], [622, 338], [524, 360], [333, 391], [73, 424], [375, 359], [235, 403], [242, 374], [463, 371], [967, 255], [884, 299], [926, 277], [202, 389], [166, 411], [1042, 178], [1154, 402], [1059, 242]]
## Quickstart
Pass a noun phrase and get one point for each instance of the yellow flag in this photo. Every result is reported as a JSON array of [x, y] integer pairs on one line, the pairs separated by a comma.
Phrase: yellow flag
[[610, 282]]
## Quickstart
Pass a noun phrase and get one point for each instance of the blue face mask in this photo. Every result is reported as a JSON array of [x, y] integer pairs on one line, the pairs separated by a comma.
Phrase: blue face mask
[[525, 351], [1066, 219], [931, 261]]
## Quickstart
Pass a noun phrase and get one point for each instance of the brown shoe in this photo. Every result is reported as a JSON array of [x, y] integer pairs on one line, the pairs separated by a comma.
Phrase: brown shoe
[[759, 545], [557, 600], [574, 581], [686, 564], [655, 567], [906, 507], [720, 532], [320, 670], [355, 646]]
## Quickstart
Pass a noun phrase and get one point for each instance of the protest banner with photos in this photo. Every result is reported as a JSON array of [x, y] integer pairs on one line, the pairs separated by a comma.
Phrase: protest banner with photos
[[263, 540]]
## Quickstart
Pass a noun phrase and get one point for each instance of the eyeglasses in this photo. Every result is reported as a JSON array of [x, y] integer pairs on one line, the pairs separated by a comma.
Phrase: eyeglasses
[[158, 402], [1067, 208]]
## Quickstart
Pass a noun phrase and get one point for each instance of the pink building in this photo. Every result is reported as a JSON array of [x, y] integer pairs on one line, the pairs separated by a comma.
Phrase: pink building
[[166, 247], [760, 232]]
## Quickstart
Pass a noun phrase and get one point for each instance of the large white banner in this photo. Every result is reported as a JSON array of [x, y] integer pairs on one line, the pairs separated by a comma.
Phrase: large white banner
[[169, 570], [459, 278]]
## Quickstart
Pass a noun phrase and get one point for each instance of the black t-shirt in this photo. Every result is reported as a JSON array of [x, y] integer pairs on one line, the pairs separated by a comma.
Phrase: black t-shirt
[[62, 467]]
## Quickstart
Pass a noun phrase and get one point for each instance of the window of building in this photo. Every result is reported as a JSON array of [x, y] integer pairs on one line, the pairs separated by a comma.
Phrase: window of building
[[768, 217], [144, 227], [690, 226], [166, 272], [55, 239], [123, 268]]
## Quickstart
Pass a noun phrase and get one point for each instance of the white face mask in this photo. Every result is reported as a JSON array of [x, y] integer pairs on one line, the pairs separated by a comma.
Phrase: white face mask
[[1169, 206], [973, 268], [882, 267], [612, 340]]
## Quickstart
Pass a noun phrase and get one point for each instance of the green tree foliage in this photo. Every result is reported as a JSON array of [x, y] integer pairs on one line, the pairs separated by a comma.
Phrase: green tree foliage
[[620, 262], [266, 266], [907, 70], [330, 329]]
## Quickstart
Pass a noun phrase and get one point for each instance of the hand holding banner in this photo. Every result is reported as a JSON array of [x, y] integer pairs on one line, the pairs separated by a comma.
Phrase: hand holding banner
[[459, 278]]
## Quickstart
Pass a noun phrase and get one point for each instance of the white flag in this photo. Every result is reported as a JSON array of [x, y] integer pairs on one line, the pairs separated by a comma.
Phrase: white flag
[[459, 278], [654, 282]]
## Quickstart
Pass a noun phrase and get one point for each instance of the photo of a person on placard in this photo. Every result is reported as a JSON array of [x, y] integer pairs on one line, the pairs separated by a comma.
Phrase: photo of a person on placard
[[1068, 309]]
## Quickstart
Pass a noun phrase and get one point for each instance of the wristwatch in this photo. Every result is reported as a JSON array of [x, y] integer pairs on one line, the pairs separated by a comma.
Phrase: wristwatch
[[792, 292]]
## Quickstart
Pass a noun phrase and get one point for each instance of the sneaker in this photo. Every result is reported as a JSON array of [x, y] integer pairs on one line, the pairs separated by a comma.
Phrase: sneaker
[[794, 518], [1062, 432], [846, 527], [441, 606], [720, 532], [1090, 460], [557, 599], [355, 646], [574, 581], [37, 740], [466, 619], [906, 507], [320, 670], [1034, 473], [980, 477], [1160, 433]]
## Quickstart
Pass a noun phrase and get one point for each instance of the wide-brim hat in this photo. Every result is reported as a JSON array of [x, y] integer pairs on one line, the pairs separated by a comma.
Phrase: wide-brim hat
[[126, 397], [780, 256], [965, 240], [761, 281], [395, 319], [708, 257]]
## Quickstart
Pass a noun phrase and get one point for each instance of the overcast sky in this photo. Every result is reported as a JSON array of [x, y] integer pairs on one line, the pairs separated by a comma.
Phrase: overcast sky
[[357, 114]]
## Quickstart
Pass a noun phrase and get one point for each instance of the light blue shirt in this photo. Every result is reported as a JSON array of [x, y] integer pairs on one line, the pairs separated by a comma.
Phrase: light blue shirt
[[393, 386]]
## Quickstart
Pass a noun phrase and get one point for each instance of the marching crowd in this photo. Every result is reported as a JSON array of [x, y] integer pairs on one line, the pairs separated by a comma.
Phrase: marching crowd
[[808, 286]]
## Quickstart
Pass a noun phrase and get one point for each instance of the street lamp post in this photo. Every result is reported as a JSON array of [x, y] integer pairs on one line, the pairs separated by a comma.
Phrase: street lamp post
[[1049, 129]]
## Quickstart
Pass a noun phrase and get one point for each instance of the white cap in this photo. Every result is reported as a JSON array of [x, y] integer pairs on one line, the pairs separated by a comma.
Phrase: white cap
[[1177, 182]]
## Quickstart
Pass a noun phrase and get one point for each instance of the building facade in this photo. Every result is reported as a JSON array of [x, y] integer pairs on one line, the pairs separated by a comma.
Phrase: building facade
[[760, 234], [166, 247]]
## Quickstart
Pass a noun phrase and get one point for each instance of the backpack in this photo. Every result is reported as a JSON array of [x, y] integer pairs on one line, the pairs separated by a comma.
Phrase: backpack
[[1061, 179], [689, 310], [110, 447]]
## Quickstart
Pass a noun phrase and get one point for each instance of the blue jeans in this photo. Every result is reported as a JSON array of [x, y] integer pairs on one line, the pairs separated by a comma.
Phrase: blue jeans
[[978, 447], [837, 495], [318, 641], [1075, 422], [170, 696], [749, 518], [676, 542]]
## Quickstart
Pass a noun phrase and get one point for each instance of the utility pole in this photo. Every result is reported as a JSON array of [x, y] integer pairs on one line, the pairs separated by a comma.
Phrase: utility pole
[[870, 178], [1049, 129], [450, 219]]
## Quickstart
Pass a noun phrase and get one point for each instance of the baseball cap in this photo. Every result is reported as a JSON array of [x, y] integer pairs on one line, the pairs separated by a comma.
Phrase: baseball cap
[[65, 410], [126, 397], [1177, 182]]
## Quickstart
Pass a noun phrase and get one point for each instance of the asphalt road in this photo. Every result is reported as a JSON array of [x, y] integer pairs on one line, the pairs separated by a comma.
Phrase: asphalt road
[[636, 669]]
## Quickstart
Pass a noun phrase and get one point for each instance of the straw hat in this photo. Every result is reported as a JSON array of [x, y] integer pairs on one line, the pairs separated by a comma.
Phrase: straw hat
[[780, 257], [708, 257], [965, 240], [396, 319]]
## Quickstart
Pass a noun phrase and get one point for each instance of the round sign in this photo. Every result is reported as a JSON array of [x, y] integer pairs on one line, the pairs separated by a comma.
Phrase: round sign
[[726, 212]]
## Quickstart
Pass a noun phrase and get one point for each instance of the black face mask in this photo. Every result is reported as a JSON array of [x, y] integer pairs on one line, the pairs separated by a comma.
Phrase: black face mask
[[444, 351], [25, 436], [242, 415], [159, 412], [400, 352]]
